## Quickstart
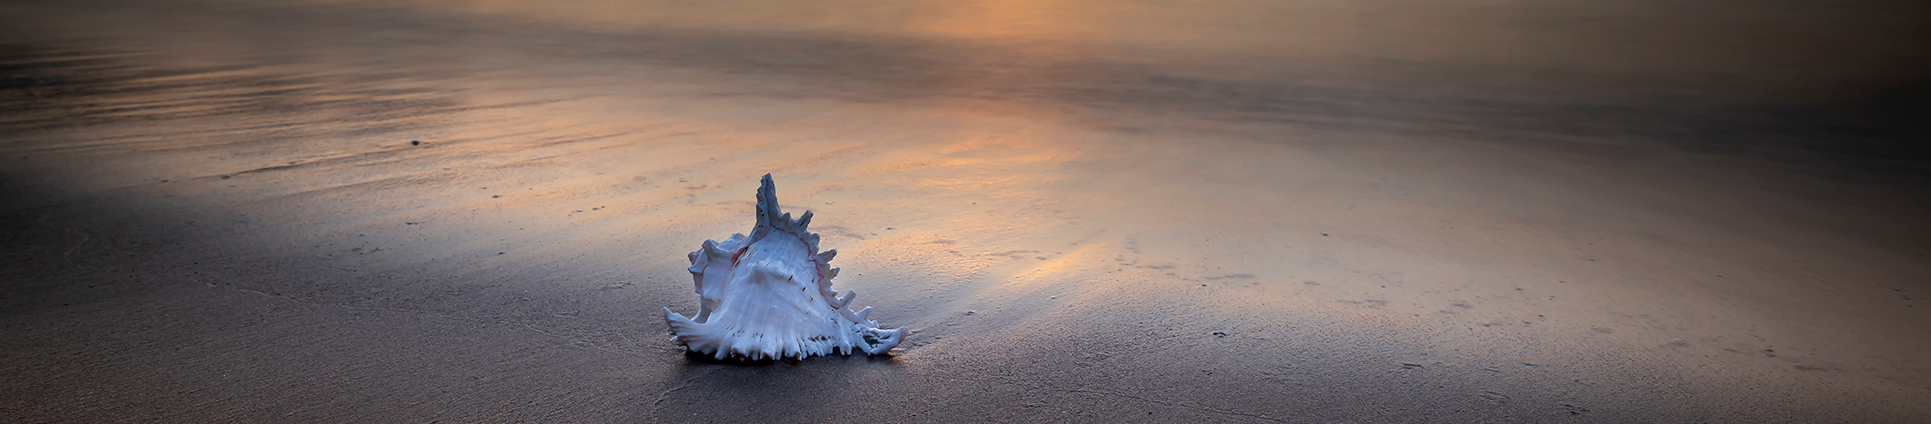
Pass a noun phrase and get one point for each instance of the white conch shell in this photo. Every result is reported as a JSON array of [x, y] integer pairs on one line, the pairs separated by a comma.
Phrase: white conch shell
[[769, 295]]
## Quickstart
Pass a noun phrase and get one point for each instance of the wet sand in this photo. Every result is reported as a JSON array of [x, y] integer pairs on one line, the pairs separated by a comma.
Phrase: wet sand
[[474, 211]]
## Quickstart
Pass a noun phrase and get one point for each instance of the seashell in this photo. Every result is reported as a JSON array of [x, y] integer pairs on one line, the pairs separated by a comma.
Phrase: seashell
[[769, 295]]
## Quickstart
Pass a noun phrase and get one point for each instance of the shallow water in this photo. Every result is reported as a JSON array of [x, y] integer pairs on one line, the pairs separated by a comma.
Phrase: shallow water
[[1267, 211]]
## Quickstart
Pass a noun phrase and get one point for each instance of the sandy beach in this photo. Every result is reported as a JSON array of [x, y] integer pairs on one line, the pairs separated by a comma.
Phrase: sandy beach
[[475, 211]]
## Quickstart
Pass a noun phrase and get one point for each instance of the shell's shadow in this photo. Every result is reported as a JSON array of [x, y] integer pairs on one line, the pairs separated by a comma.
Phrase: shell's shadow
[[699, 358]]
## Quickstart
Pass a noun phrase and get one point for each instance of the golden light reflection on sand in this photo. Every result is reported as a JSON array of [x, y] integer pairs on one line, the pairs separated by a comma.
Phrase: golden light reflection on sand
[[1008, 20]]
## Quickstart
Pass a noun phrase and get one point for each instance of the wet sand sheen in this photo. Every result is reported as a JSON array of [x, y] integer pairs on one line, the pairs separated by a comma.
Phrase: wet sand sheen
[[207, 227]]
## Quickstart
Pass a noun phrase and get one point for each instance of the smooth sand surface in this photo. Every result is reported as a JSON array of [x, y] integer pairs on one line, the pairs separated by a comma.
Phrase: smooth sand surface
[[1236, 212]]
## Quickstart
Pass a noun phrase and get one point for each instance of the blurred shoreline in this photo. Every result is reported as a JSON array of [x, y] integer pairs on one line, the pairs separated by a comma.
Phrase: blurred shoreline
[[1852, 120]]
